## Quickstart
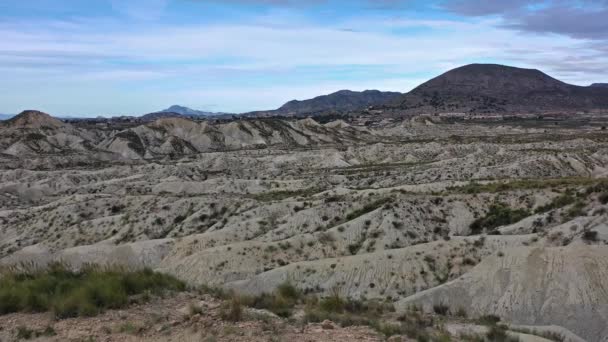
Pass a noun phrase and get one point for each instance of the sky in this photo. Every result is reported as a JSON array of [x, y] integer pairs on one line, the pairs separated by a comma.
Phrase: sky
[[131, 57]]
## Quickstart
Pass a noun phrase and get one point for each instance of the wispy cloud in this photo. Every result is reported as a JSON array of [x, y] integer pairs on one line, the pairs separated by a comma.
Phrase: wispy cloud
[[266, 58]]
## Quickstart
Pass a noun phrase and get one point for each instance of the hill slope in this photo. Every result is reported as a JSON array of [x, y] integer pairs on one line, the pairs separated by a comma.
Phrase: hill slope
[[491, 88], [537, 286]]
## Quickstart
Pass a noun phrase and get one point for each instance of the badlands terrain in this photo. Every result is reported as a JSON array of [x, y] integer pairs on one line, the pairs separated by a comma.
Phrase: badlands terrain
[[454, 218]]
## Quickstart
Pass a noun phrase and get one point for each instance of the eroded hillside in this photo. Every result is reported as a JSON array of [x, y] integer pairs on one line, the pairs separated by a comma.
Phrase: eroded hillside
[[478, 217]]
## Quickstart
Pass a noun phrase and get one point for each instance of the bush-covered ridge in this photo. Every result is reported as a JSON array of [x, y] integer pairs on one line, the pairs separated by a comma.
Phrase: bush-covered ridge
[[86, 292]]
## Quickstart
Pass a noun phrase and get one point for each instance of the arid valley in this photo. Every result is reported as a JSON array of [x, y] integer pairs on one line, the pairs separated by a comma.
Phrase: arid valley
[[454, 219]]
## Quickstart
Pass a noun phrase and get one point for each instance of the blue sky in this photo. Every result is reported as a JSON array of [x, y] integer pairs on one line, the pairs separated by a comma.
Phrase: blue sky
[[113, 57]]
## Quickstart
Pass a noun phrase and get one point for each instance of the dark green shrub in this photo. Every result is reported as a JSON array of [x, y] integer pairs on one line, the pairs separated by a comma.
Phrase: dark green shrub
[[441, 309], [498, 215], [281, 302], [489, 320], [333, 303], [590, 236]]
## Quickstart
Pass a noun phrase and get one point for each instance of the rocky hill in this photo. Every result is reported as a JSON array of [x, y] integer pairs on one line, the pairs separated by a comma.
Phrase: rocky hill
[[491, 89], [338, 102], [600, 85], [32, 119]]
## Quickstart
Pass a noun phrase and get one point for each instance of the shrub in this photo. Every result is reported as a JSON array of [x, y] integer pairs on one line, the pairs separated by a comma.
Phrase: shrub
[[498, 215], [558, 202], [576, 210], [367, 209], [333, 303], [232, 310], [590, 236], [489, 320], [354, 248], [441, 309], [84, 293], [498, 333], [281, 302], [288, 291]]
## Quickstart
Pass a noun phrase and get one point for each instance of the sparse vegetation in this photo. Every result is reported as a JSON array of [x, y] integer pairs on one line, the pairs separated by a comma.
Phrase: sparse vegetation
[[367, 208], [558, 202], [283, 194], [523, 184]]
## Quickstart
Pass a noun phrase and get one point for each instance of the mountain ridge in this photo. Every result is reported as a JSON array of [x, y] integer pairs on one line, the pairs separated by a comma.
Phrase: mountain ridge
[[339, 101]]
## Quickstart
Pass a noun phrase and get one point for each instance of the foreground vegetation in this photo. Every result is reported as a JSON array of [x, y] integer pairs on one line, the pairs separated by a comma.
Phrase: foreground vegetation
[[378, 315], [86, 292], [92, 290]]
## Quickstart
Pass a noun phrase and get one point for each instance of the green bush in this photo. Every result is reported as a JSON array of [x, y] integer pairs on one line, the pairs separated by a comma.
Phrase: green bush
[[498, 215], [84, 293], [333, 303], [280, 302], [498, 333], [558, 202]]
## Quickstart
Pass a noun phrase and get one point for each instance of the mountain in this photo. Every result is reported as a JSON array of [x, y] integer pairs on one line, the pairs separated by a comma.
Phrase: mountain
[[5, 116], [33, 119], [186, 111], [180, 111], [341, 101], [599, 85], [491, 88]]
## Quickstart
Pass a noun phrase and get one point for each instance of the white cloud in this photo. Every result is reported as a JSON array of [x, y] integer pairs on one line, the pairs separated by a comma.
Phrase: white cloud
[[256, 64]]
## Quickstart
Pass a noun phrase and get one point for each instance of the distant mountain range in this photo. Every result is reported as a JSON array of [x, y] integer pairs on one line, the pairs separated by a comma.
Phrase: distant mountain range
[[181, 111], [474, 88], [340, 101], [491, 88], [5, 116]]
